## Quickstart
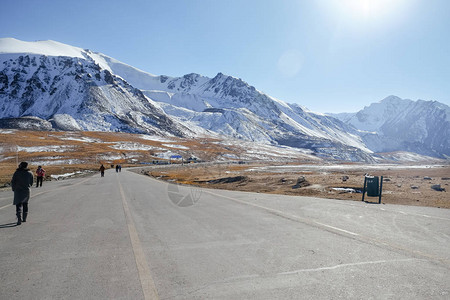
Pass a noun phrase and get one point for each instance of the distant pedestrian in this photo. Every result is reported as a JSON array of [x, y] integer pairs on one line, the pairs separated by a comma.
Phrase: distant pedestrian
[[117, 168], [21, 182], [102, 170], [40, 174], [120, 168]]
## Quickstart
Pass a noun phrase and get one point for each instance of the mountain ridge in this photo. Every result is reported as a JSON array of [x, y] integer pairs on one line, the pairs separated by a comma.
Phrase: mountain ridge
[[395, 124], [91, 91]]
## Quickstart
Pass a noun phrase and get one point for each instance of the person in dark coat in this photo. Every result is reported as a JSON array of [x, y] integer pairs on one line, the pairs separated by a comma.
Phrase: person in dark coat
[[21, 182], [102, 170]]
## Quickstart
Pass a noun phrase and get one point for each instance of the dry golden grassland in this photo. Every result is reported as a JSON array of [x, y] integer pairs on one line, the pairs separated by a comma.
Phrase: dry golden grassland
[[254, 178], [68, 152]]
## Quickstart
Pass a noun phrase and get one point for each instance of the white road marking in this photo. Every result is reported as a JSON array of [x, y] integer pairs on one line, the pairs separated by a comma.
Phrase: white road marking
[[32, 195], [421, 215], [8, 205], [336, 228], [285, 215], [347, 265], [147, 283]]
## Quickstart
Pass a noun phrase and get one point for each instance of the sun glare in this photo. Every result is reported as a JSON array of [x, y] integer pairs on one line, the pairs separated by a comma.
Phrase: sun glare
[[364, 8], [367, 10]]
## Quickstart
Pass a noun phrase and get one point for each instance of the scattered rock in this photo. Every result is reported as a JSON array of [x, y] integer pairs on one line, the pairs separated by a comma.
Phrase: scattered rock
[[427, 178], [445, 178], [228, 180], [386, 179], [437, 187], [414, 187], [301, 182], [345, 178]]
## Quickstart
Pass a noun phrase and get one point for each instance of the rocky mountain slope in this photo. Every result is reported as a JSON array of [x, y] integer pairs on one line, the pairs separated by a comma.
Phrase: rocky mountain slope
[[47, 84], [74, 93], [76, 89], [396, 124]]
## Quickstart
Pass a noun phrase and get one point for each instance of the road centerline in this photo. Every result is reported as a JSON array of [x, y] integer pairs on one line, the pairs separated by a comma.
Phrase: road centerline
[[145, 277]]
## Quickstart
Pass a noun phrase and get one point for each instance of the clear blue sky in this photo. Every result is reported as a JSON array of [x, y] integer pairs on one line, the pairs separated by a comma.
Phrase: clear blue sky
[[328, 55]]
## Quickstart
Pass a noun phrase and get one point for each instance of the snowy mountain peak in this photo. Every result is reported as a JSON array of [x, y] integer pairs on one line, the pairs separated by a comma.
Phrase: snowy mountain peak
[[48, 48], [76, 89], [396, 124], [393, 99]]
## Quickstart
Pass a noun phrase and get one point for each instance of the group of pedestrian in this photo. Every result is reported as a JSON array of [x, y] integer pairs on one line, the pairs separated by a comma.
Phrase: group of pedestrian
[[21, 182], [102, 169]]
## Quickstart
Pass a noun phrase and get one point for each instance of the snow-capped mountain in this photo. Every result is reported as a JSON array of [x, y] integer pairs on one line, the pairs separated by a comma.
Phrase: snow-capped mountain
[[74, 90], [229, 106], [396, 124], [77, 89]]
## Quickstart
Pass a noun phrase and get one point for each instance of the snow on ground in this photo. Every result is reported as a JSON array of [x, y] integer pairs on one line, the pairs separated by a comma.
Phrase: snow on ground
[[345, 190], [403, 156], [51, 162], [6, 158], [7, 131], [155, 138], [270, 152], [82, 139], [175, 146], [230, 156], [133, 146], [111, 157], [49, 148], [301, 168], [63, 176], [166, 155]]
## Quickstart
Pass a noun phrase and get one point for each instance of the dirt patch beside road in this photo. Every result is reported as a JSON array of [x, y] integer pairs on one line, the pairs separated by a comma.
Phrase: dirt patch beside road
[[403, 184]]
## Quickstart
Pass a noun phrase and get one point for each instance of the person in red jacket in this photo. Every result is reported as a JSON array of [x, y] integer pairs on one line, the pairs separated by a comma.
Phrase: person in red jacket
[[40, 173]]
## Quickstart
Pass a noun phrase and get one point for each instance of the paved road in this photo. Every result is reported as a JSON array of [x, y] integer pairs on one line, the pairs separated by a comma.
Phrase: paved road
[[126, 236]]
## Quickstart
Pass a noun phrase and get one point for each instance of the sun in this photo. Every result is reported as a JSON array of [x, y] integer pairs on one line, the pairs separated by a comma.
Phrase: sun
[[364, 8], [367, 10]]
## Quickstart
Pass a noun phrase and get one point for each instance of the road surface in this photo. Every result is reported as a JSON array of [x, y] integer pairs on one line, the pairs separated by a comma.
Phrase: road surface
[[127, 236]]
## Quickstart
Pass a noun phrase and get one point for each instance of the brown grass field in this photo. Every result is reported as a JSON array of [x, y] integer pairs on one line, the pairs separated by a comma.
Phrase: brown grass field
[[255, 178], [67, 152]]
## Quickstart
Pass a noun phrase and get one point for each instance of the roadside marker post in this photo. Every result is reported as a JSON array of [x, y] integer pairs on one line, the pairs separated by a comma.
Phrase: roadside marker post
[[373, 186]]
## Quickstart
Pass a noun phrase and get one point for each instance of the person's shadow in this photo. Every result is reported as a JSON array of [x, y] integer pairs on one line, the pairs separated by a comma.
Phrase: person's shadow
[[8, 225]]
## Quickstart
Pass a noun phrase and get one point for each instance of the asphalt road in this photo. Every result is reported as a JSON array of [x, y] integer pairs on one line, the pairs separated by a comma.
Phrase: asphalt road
[[127, 236]]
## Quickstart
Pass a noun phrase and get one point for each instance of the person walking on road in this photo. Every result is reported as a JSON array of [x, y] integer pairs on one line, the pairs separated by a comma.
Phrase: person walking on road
[[40, 173], [21, 182], [102, 170]]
